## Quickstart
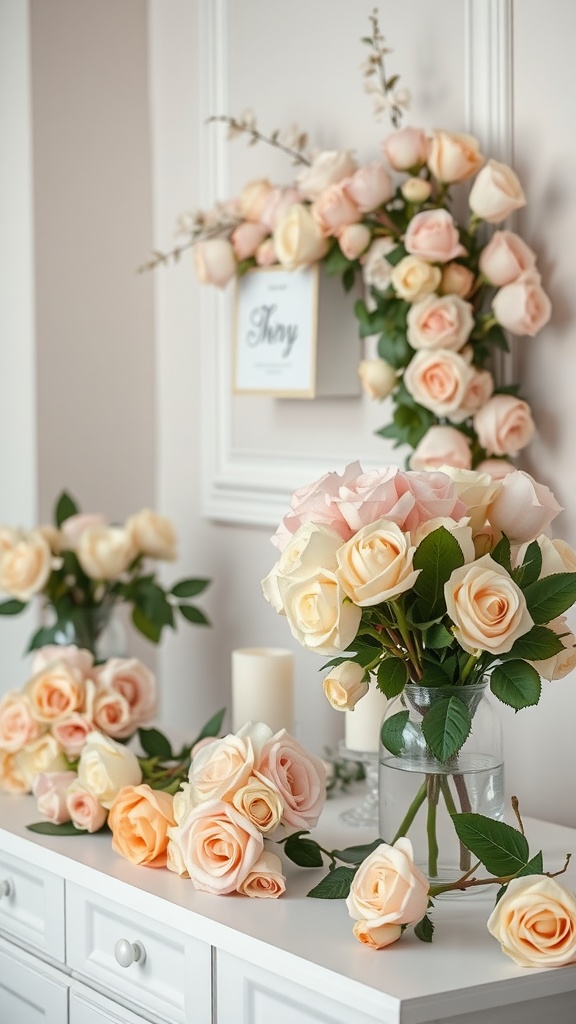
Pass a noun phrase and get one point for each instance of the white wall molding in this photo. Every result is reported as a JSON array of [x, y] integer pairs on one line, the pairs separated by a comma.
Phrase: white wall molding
[[489, 75]]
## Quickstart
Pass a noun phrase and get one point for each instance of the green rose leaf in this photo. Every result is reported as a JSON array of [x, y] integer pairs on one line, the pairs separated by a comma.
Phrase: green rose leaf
[[303, 852], [437, 637], [392, 732], [50, 828], [551, 596], [356, 854], [516, 683], [65, 507], [503, 850], [193, 614], [436, 556], [446, 727], [395, 255], [501, 554], [155, 744], [189, 588], [531, 567], [392, 677], [538, 644], [335, 886], [424, 930], [150, 629], [12, 607], [212, 727]]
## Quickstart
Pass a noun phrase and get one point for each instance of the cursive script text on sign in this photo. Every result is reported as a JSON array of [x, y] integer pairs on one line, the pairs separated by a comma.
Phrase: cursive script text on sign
[[267, 331]]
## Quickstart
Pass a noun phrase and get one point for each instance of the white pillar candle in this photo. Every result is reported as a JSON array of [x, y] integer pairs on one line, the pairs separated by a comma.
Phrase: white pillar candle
[[362, 729], [263, 687]]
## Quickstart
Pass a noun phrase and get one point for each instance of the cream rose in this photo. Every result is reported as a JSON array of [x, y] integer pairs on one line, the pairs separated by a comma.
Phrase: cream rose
[[152, 535], [487, 608], [496, 193], [413, 279], [388, 888], [440, 321], [105, 767], [73, 527], [333, 209], [565, 661], [278, 203], [377, 377], [259, 803], [369, 187], [326, 169], [319, 616], [376, 270], [456, 280], [49, 789], [265, 880], [104, 552], [253, 198], [523, 306], [215, 261], [219, 847], [41, 755], [523, 508], [353, 240], [299, 239], [439, 380], [85, 811], [25, 566], [298, 776], [133, 681], [405, 149], [442, 446], [18, 726], [453, 157], [55, 692], [504, 425], [139, 820], [535, 922], [174, 859], [311, 546], [376, 564], [477, 490], [496, 468], [344, 686], [433, 235], [505, 258], [416, 190]]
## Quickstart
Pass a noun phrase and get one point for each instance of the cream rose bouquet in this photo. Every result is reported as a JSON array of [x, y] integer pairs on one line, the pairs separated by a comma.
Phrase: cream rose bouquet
[[440, 294], [82, 566]]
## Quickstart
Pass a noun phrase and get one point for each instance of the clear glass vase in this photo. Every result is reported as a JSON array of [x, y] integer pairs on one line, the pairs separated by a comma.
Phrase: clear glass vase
[[418, 793], [96, 629]]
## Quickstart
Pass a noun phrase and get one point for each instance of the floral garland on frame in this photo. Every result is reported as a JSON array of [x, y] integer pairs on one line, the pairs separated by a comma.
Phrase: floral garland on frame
[[440, 295]]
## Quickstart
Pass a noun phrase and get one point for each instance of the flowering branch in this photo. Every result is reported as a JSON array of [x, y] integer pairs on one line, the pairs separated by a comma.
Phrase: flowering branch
[[246, 125], [382, 88]]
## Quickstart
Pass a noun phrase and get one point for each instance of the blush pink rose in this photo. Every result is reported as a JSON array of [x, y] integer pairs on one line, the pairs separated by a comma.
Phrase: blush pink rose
[[316, 504], [85, 811], [477, 393], [215, 261], [333, 209], [496, 468], [440, 321], [299, 778], [111, 713], [375, 495], [505, 258], [247, 237], [442, 446], [453, 157], [253, 198], [438, 380], [523, 508], [433, 235], [523, 306], [326, 169], [72, 732], [496, 193], [435, 496], [136, 684], [76, 657], [73, 527], [218, 846], [18, 726], [279, 202], [55, 692], [369, 187], [265, 880], [504, 425], [353, 240], [265, 254], [405, 149], [49, 789]]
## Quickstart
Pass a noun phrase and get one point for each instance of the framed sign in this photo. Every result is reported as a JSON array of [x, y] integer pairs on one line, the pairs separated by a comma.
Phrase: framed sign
[[276, 332]]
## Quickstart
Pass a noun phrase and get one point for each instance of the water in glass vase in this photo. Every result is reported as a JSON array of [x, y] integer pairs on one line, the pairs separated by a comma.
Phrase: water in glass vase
[[417, 800]]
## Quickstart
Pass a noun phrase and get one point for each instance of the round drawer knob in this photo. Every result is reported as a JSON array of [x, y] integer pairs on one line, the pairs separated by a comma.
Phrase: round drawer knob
[[5, 888], [128, 953]]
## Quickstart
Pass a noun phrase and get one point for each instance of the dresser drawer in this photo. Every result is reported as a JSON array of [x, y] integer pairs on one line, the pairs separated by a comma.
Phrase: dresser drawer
[[32, 906], [172, 977]]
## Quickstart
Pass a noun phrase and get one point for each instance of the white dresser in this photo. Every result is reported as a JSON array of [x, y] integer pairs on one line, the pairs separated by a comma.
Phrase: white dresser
[[192, 958]]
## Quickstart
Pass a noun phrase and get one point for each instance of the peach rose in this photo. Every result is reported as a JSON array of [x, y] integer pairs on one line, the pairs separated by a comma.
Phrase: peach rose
[[279, 202], [55, 692], [505, 258], [487, 608], [73, 527], [41, 755], [253, 199], [152, 535], [246, 238], [504, 425], [416, 190], [215, 261], [221, 768], [376, 564], [105, 767], [219, 847], [49, 789], [298, 776], [377, 377], [299, 239], [496, 193], [523, 306], [311, 546], [8, 538], [456, 280], [333, 209], [72, 732], [496, 468], [477, 393], [564, 662], [453, 157], [388, 888], [344, 686], [439, 381], [535, 922], [104, 552], [12, 779], [353, 240], [326, 169], [440, 321], [442, 446], [319, 616], [110, 712], [25, 566], [405, 149], [433, 235], [18, 726], [85, 811], [259, 803], [77, 658], [139, 819], [376, 270], [132, 680], [414, 279], [377, 937], [369, 187], [523, 508], [265, 880]]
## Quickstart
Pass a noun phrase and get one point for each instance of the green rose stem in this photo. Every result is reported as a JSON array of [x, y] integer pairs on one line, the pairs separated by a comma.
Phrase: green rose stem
[[411, 812], [432, 791], [407, 638], [451, 807], [468, 883]]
